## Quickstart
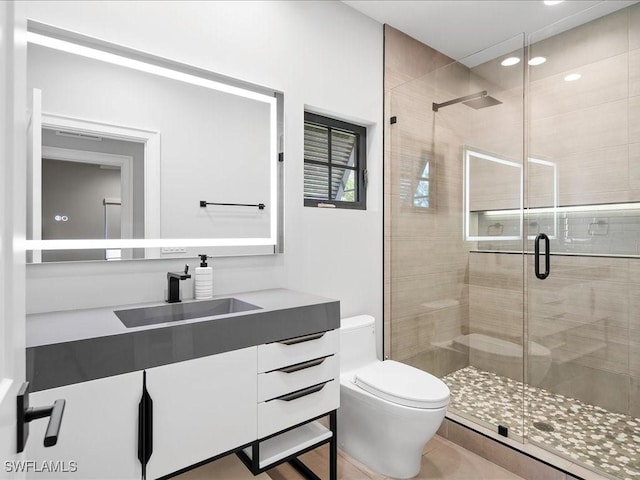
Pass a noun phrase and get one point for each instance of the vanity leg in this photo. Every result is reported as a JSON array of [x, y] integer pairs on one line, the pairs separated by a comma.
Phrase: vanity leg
[[255, 456], [333, 446]]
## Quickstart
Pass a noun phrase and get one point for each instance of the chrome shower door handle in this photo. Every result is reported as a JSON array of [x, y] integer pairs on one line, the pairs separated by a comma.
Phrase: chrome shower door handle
[[547, 256]]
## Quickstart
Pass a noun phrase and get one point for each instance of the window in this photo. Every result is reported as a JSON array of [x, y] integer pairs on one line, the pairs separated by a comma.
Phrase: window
[[421, 192], [335, 169], [415, 175]]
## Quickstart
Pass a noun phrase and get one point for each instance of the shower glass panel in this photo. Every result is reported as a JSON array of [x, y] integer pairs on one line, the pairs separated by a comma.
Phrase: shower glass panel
[[456, 301], [583, 368]]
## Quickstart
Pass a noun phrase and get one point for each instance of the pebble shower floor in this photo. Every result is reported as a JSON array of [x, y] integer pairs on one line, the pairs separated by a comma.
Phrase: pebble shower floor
[[587, 434]]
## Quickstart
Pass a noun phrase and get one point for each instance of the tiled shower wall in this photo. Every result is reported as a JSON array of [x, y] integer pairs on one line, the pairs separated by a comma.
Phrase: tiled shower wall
[[406, 59], [427, 267], [590, 127]]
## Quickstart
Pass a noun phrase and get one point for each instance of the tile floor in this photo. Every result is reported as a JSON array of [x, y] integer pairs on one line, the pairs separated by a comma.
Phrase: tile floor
[[441, 460], [581, 432]]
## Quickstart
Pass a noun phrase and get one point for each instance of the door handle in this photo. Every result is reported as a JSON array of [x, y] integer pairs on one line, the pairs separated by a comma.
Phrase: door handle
[[547, 256], [26, 414]]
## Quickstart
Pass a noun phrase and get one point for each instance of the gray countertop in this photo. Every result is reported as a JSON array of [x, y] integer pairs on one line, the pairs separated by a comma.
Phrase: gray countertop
[[79, 345], [71, 325]]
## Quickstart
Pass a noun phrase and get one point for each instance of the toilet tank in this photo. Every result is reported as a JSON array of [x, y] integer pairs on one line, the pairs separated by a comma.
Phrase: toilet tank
[[357, 342]]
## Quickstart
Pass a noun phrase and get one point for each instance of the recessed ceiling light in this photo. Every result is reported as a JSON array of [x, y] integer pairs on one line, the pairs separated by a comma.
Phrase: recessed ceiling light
[[537, 61], [507, 62], [572, 77], [552, 2]]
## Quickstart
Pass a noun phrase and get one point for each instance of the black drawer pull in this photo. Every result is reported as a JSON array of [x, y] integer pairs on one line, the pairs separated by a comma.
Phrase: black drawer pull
[[304, 338], [302, 393], [301, 366]]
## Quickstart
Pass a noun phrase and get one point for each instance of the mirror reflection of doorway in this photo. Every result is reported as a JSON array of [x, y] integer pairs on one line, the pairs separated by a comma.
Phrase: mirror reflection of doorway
[[73, 207], [87, 192]]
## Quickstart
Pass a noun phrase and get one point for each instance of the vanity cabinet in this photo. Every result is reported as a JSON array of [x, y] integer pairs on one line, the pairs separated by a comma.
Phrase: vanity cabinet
[[98, 431], [160, 399], [201, 408], [298, 382]]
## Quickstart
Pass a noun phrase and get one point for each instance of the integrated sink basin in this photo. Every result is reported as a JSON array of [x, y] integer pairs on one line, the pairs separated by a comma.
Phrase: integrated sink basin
[[139, 317]]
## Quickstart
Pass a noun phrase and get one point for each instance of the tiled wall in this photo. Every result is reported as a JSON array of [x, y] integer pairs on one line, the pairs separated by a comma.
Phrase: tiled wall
[[427, 268], [406, 59], [590, 127]]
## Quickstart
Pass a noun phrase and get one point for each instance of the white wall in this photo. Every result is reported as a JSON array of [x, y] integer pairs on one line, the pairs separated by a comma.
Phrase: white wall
[[323, 55]]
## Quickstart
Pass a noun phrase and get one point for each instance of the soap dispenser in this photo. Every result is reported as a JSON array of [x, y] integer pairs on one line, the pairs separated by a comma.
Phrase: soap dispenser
[[204, 279]]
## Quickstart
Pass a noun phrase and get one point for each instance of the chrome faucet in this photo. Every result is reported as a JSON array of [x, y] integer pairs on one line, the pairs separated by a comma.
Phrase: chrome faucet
[[173, 287]]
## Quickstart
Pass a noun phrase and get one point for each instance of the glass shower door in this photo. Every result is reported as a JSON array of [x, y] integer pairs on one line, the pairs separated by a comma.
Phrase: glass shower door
[[456, 233], [583, 213]]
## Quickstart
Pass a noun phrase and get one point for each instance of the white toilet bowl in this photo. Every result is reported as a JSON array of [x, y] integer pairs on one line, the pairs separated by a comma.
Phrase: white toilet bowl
[[388, 410]]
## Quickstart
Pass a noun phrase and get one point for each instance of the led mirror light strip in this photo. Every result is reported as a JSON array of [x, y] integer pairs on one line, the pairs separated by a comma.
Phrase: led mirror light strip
[[578, 208], [96, 54], [144, 243], [69, 47]]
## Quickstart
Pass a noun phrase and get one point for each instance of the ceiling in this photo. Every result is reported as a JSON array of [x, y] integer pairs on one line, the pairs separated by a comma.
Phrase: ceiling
[[462, 28]]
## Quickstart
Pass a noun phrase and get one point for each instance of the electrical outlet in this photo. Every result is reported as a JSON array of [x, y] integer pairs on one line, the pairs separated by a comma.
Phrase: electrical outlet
[[171, 250]]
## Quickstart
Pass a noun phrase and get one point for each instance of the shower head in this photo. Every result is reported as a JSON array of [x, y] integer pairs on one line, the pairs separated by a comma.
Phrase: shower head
[[482, 102], [475, 100]]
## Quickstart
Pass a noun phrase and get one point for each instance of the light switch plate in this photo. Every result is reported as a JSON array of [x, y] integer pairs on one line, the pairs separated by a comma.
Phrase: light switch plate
[[171, 250]]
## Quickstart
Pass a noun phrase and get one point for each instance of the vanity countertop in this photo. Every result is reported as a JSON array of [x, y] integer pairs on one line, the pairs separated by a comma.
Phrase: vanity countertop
[[79, 345]]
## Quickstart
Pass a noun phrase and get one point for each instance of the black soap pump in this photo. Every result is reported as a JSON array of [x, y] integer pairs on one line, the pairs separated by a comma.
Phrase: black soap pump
[[203, 279]]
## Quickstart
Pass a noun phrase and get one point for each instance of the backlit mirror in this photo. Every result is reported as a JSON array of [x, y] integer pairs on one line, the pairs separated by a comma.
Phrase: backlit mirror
[[491, 183], [494, 197], [132, 156]]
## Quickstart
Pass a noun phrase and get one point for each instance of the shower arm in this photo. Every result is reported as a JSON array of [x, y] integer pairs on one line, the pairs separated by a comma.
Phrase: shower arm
[[473, 96]]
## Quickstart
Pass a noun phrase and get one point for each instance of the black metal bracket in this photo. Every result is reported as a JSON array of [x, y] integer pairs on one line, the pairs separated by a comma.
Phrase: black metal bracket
[[26, 414], [393, 120], [253, 463], [261, 206]]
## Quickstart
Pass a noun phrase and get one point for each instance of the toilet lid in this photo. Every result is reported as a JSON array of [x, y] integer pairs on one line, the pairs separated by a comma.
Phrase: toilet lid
[[403, 384]]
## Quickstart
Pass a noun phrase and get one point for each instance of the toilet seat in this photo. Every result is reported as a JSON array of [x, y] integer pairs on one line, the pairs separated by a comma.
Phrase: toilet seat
[[402, 384]]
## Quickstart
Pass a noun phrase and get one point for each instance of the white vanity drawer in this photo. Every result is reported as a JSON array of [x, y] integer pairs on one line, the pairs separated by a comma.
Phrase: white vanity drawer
[[272, 356], [284, 412], [296, 377]]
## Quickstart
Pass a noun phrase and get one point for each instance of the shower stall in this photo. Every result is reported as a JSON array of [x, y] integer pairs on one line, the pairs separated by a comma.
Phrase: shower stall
[[513, 237]]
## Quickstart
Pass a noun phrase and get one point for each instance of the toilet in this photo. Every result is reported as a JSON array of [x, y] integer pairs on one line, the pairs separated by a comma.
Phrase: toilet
[[388, 410]]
